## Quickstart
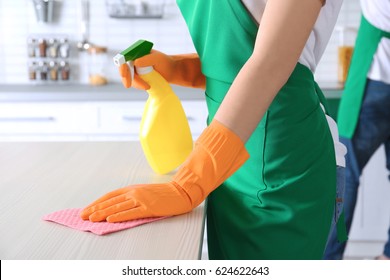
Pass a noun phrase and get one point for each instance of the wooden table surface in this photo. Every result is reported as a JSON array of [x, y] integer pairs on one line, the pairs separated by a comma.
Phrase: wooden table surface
[[43, 177]]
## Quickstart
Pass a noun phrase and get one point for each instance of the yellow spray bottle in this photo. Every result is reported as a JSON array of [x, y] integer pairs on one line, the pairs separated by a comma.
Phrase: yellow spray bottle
[[165, 134]]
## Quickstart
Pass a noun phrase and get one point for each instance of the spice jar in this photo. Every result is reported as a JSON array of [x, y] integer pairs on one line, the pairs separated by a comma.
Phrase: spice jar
[[53, 71], [42, 47], [43, 69], [65, 70], [31, 47], [53, 47], [97, 65], [64, 48], [32, 71]]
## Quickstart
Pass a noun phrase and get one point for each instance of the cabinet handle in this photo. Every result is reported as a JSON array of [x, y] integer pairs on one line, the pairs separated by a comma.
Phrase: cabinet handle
[[28, 119], [131, 118], [138, 119]]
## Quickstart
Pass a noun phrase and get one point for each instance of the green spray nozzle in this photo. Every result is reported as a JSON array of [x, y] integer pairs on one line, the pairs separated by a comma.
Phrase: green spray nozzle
[[136, 50]]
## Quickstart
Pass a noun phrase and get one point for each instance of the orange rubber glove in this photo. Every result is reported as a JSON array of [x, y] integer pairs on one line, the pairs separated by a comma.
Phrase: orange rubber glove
[[182, 70], [218, 153]]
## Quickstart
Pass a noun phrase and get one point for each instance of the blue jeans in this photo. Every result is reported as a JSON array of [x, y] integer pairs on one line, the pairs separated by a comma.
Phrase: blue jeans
[[372, 131], [339, 203]]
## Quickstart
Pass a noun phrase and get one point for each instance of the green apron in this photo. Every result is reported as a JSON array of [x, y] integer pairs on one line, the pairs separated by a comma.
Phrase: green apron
[[279, 204], [367, 43]]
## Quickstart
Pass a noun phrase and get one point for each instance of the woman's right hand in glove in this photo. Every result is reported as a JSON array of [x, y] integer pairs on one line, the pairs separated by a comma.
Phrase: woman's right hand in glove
[[183, 70]]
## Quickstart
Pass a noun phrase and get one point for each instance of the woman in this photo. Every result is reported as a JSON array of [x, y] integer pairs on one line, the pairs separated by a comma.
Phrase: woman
[[364, 115], [267, 158]]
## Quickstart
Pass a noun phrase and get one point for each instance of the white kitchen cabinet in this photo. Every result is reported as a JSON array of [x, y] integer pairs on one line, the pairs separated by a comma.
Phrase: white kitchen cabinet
[[120, 118], [372, 214], [83, 121], [372, 218], [50, 121]]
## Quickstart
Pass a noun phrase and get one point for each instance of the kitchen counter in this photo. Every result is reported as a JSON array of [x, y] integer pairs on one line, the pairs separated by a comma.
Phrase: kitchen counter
[[40, 178], [79, 92], [110, 92]]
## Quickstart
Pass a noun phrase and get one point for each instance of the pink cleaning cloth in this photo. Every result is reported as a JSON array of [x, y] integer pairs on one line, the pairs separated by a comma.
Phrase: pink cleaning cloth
[[71, 218]]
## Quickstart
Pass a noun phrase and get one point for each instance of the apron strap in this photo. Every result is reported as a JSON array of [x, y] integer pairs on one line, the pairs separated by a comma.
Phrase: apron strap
[[341, 227], [321, 97], [367, 42]]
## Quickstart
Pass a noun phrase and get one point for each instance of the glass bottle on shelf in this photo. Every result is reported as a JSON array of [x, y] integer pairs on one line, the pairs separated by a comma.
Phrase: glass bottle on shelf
[[43, 69], [31, 47], [53, 47], [64, 48], [97, 65], [53, 70], [32, 71], [65, 70], [347, 37], [42, 46]]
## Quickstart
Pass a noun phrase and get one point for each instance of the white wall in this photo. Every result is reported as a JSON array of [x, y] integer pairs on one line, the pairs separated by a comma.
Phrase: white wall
[[17, 22]]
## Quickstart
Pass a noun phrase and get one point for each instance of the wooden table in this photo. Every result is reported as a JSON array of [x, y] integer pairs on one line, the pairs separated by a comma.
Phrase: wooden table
[[43, 177]]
